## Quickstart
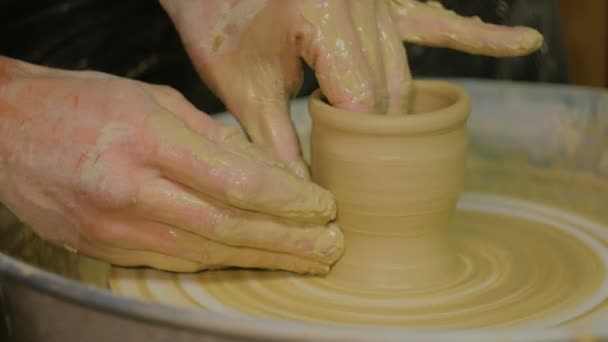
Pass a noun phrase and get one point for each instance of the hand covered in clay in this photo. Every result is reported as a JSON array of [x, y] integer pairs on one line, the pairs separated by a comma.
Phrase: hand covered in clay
[[249, 52], [132, 173]]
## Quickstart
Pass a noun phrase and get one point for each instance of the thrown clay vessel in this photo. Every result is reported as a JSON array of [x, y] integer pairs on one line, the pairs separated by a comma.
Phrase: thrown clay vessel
[[396, 180], [517, 261]]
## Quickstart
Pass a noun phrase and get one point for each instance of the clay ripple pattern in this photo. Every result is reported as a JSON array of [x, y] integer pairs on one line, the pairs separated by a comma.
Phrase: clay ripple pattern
[[519, 264]]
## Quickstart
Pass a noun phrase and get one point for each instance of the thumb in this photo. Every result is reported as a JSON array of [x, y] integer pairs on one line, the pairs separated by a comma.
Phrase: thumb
[[255, 81], [268, 125]]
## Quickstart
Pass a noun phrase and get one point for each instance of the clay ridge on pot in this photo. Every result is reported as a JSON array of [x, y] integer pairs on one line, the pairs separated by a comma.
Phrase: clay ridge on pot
[[396, 180]]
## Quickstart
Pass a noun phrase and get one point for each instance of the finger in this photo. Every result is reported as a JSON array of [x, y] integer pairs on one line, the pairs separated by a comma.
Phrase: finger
[[164, 201], [228, 137], [191, 160], [131, 258], [43, 71], [177, 104], [396, 69], [341, 68], [143, 243], [257, 92], [364, 18], [260, 98], [432, 25], [268, 124]]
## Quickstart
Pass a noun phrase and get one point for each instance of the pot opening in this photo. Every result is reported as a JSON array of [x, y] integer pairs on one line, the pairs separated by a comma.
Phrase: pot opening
[[443, 104], [423, 99]]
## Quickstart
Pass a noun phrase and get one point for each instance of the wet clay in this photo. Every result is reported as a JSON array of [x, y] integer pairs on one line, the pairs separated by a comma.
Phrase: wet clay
[[522, 264], [410, 261], [20, 241], [396, 180]]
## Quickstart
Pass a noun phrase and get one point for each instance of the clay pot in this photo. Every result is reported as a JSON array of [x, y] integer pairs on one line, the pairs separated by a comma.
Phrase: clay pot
[[396, 180]]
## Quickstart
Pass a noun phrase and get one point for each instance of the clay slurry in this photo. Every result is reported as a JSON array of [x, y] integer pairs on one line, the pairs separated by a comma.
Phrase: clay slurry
[[523, 264], [410, 260], [396, 181]]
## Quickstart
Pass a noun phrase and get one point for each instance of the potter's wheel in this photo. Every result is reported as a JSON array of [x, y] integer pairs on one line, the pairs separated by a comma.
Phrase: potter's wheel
[[532, 239], [554, 276], [538, 151]]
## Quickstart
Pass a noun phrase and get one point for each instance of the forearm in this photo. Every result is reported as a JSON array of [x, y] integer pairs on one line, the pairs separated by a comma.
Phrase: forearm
[[7, 119], [13, 120]]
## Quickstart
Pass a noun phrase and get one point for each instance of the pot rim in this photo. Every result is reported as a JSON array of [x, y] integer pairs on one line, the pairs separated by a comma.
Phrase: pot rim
[[425, 122]]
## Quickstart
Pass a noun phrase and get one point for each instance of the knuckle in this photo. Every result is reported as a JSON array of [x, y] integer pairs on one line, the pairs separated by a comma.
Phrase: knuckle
[[115, 194], [215, 219], [307, 40], [217, 255], [125, 98], [104, 233], [116, 88], [208, 258], [107, 186], [230, 134], [168, 91], [205, 220], [224, 225], [243, 186]]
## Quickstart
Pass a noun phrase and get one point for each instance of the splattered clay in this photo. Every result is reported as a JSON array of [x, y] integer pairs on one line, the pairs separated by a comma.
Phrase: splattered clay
[[527, 255]]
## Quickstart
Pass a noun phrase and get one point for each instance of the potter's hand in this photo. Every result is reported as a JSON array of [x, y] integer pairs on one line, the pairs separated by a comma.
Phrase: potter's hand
[[249, 52], [133, 174]]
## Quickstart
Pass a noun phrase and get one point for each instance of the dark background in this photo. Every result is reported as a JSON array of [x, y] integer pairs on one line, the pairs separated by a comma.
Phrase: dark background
[[136, 39]]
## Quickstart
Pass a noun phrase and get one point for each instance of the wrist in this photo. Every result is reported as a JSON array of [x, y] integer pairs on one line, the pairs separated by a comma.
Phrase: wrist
[[11, 121], [7, 65]]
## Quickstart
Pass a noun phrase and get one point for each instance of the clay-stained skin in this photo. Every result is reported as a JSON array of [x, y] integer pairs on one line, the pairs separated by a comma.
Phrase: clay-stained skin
[[430, 24], [249, 52], [359, 43], [346, 42], [512, 272], [133, 174], [499, 261], [284, 194], [257, 52]]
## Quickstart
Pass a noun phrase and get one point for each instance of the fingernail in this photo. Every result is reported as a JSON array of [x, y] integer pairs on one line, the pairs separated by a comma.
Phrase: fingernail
[[531, 39], [309, 203], [326, 203], [330, 244]]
